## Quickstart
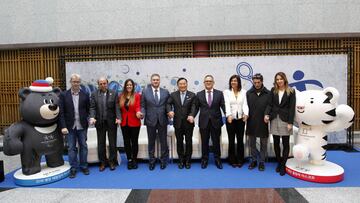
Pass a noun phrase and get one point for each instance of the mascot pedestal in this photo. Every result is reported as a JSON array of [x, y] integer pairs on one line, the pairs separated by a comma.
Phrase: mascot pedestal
[[45, 176], [317, 113], [327, 173], [37, 134]]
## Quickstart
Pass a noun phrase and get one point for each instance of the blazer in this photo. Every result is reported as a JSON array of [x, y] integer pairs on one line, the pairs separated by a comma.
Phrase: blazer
[[213, 113], [128, 117], [67, 112], [235, 105], [182, 111], [285, 109], [152, 111], [112, 105]]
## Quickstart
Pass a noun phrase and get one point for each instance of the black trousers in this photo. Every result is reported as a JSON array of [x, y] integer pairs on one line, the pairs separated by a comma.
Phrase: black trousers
[[161, 132], [131, 144], [214, 133], [236, 130], [180, 133], [101, 128], [286, 148]]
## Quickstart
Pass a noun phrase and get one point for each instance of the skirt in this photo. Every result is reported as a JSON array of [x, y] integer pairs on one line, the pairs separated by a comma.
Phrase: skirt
[[279, 127]]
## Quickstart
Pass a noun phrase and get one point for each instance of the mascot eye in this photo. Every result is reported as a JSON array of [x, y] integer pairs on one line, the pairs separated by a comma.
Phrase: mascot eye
[[46, 101], [51, 101]]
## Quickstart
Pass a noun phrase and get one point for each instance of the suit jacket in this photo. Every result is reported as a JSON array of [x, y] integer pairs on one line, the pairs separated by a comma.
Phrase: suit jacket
[[128, 117], [67, 112], [182, 111], [285, 109], [154, 112], [112, 106], [213, 113]]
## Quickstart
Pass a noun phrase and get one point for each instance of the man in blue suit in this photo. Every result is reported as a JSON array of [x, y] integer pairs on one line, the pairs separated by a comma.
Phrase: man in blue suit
[[153, 108], [74, 112]]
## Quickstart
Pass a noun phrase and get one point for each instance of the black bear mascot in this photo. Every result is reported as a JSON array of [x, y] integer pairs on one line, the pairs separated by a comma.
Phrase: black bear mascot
[[37, 133]]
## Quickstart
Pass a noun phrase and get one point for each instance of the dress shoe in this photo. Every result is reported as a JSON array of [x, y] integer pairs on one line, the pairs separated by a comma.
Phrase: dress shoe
[[240, 164], [252, 165], [204, 164], [72, 174], [180, 165], [102, 167], [130, 165], [261, 166], [162, 166], [218, 164], [112, 166], [151, 166], [187, 165], [85, 171]]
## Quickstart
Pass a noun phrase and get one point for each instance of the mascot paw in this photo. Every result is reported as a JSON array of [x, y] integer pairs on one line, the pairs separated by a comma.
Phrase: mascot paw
[[301, 153]]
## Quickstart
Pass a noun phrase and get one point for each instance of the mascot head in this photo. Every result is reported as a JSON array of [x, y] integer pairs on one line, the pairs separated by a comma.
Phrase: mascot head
[[39, 103], [316, 107]]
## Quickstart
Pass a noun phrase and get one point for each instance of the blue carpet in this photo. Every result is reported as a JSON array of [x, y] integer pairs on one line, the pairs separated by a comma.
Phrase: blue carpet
[[197, 178]]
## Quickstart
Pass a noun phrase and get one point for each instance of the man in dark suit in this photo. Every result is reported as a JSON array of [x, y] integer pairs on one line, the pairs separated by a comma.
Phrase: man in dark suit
[[74, 112], [210, 101], [105, 114], [153, 107], [181, 106]]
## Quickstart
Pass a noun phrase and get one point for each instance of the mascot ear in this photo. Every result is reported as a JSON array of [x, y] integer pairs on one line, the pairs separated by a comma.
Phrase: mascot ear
[[57, 91], [24, 92], [332, 95]]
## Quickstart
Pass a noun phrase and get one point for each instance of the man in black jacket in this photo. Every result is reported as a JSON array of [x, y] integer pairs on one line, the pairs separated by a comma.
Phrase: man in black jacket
[[181, 106], [258, 98]]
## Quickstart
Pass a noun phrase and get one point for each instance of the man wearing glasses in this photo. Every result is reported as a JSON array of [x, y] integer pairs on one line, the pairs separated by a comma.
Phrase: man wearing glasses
[[210, 101], [258, 98]]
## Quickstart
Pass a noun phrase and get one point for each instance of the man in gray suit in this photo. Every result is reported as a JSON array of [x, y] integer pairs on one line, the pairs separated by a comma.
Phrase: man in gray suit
[[105, 114], [153, 108]]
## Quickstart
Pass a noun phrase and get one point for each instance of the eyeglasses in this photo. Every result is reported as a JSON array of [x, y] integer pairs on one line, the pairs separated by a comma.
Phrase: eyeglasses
[[76, 82], [208, 81]]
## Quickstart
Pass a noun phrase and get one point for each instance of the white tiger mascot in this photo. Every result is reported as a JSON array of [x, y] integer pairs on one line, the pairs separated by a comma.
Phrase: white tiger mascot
[[317, 113]]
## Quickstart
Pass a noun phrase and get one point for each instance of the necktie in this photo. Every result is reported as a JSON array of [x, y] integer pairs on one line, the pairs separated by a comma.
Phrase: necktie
[[156, 96], [182, 98], [209, 98]]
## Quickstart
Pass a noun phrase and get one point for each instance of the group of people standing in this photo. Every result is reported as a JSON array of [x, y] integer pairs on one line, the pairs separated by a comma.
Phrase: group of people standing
[[254, 109]]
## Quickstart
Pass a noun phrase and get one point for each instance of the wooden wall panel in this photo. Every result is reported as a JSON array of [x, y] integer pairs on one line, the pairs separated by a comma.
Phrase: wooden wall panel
[[18, 68]]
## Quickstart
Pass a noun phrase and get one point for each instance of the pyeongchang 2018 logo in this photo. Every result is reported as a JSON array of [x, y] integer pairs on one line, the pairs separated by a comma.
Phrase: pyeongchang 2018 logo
[[245, 71]]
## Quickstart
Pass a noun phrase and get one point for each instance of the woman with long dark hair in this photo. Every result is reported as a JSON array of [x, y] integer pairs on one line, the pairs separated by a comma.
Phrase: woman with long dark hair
[[237, 112], [130, 121], [282, 112]]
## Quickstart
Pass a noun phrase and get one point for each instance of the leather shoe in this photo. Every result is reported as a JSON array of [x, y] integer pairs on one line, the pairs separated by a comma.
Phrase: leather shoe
[[204, 164], [112, 166], [218, 164], [162, 166], [180, 165], [85, 171], [187, 165], [72, 174], [261, 166], [240, 164], [252, 165], [151, 166], [102, 167]]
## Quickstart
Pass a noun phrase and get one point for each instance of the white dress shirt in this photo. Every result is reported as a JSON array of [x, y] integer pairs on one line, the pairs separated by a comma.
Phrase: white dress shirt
[[236, 105], [158, 91]]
